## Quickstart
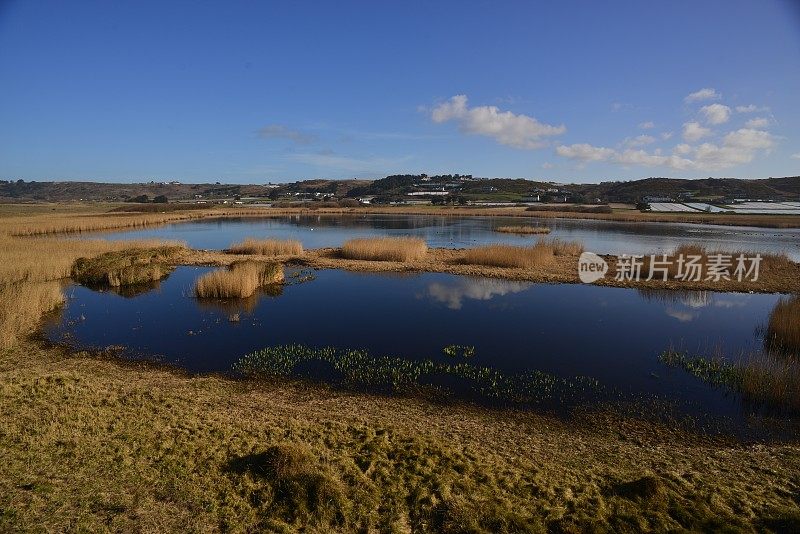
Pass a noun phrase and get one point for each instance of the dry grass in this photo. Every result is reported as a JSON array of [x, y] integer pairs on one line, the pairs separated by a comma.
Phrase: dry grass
[[240, 280], [22, 306], [771, 379], [267, 247], [771, 264], [523, 229], [41, 259], [538, 255], [404, 249], [783, 328]]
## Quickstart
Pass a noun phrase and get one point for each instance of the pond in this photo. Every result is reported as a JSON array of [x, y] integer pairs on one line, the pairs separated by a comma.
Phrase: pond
[[602, 237], [609, 334]]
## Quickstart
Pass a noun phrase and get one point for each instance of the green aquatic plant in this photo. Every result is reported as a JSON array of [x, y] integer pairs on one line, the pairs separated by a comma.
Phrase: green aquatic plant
[[762, 378], [360, 369], [466, 351]]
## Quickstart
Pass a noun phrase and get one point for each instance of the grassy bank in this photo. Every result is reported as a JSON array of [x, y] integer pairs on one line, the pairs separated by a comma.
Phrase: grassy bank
[[89, 444]]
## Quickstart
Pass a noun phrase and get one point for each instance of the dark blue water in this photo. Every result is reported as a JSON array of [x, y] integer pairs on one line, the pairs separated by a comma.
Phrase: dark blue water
[[603, 237], [613, 335]]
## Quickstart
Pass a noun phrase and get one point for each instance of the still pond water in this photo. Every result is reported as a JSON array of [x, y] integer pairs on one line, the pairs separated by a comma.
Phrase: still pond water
[[610, 334], [602, 237]]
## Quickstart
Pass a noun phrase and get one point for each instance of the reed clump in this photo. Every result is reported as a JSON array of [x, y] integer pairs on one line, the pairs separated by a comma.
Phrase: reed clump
[[22, 306], [783, 328], [240, 280], [403, 249], [39, 259], [126, 267], [540, 254], [267, 247], [523, 229]]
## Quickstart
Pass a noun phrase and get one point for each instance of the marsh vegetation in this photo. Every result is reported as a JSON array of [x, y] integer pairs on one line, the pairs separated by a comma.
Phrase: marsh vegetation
[[239, 280], [361, 370], [539, 254], [761, 378], [522, 229], [267, 247], [783, 329], [131, 266], [402, 249]]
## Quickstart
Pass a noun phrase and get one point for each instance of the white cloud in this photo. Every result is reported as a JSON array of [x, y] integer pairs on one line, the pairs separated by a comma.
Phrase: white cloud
[[758, 122], [647, 125], [716, 113], [796, 155], [666, 135], [706, 93], [518, 131], [547, 165], [585, 152], [454, 295], [693, 131], [639, 140], [738, 147], [748, 139], [751, 108]]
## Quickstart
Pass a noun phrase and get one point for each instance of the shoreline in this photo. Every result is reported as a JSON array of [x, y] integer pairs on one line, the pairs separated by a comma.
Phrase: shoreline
[[79, 219], [155, 447], [562, 270]]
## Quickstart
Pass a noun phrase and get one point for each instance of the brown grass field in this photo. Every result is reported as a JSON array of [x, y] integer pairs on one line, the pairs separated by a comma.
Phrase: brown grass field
[[240, 280], [523, 229], [403, 249], [267, 247]]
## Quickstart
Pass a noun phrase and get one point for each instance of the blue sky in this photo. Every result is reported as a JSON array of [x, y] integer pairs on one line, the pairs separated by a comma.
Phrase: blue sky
[[278, 91]]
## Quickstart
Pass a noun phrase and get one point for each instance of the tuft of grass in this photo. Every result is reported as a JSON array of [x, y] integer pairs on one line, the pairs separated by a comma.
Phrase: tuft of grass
[[783, 328], [267, 247], [540, 254], [403, 249], [761, 378], [126, 267], [523, 229], [240, 280], [297, 487]]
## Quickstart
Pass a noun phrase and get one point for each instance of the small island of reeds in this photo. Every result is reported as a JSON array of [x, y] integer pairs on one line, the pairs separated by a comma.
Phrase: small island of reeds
[[523, 229]]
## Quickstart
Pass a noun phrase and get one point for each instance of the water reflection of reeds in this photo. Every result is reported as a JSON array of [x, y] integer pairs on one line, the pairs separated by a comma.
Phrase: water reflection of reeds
[[240, 305]]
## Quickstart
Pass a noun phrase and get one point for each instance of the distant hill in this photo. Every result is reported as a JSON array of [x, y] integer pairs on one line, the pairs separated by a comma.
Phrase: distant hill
[[771, 188], [398, 186]]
